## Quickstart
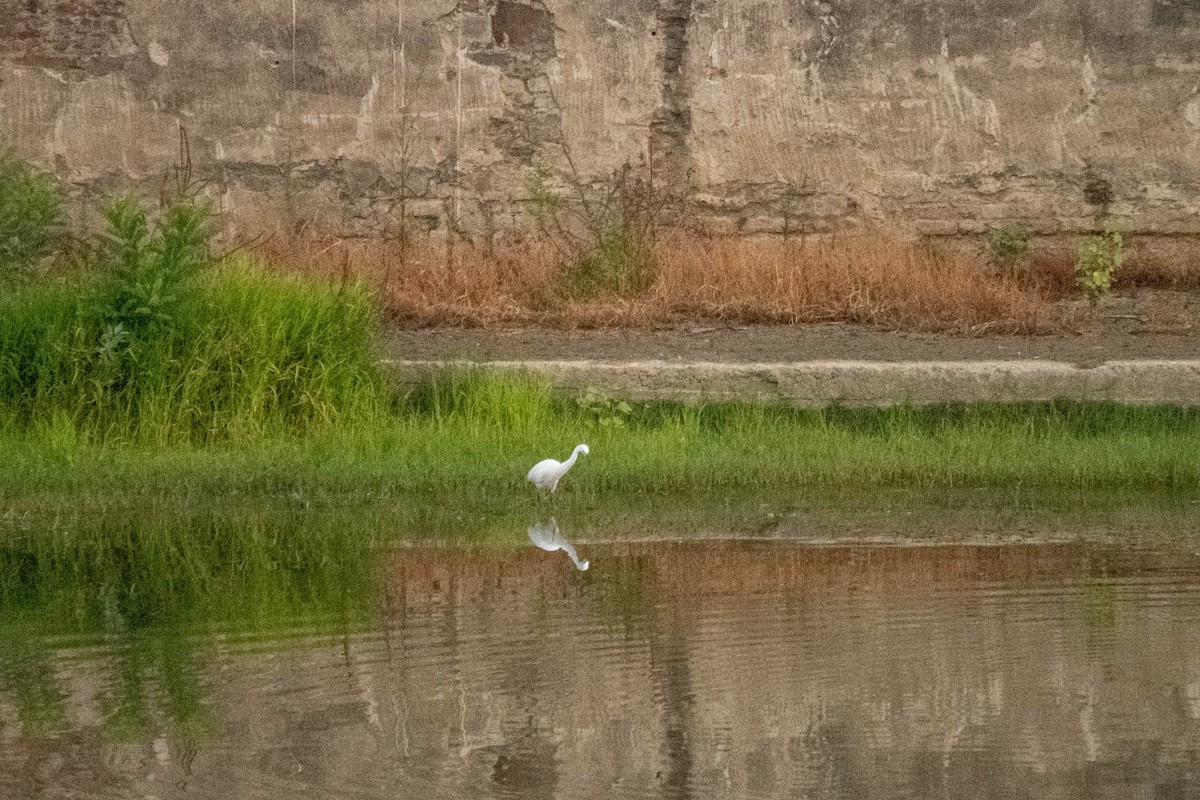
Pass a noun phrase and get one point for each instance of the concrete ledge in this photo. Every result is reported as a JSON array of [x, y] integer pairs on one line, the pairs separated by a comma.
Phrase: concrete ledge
[[860, 383]]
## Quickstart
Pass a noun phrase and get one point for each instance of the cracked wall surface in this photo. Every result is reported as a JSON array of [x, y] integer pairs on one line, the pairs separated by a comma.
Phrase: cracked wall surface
[[939, 117]]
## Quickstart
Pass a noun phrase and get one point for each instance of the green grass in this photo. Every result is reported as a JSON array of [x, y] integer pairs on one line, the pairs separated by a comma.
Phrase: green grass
[[163, 373], [242, 354], [471, 439], [266, 385], [162, 342]]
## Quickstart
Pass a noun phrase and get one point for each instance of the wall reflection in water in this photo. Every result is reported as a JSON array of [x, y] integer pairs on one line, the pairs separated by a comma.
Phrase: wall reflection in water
[[732, 669]]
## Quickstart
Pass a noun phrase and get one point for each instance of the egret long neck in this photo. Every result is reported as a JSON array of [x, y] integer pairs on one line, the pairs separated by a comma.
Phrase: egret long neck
[[570, 462]]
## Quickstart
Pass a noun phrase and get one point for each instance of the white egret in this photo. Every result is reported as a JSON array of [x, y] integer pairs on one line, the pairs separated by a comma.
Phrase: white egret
[[546, 474], [550, 538]]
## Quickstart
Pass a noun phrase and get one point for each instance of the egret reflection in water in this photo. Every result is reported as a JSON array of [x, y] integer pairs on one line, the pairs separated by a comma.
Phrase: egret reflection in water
[[548, 537]]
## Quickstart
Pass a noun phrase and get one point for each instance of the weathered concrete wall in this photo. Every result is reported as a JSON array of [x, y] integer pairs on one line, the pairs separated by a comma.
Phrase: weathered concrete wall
[[945, 115]]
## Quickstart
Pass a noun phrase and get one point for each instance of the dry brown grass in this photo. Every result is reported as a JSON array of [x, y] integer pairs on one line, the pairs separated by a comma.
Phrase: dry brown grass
[[1156, 264], [880, 279], [1154, 271]]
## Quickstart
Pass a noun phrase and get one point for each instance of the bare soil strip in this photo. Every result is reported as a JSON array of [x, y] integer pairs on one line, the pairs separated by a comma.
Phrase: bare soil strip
[[743, 345]]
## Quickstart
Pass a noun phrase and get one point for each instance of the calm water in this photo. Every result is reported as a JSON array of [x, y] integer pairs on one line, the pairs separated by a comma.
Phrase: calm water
[[304, 667]]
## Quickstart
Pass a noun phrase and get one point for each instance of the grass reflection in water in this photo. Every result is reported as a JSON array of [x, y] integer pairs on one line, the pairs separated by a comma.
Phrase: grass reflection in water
[[147, 599]]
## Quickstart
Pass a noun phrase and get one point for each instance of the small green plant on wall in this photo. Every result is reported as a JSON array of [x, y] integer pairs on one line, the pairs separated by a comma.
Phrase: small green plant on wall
[[601, 410], [1100, 259], [1008, 246]]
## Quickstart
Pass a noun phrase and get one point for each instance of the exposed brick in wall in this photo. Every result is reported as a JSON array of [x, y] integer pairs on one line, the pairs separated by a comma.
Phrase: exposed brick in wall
[[71, 37], [816, 114]]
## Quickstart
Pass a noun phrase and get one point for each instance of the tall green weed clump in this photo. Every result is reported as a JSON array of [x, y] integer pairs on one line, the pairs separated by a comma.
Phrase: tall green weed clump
[[162, 344], [149, 264], [31, 217]]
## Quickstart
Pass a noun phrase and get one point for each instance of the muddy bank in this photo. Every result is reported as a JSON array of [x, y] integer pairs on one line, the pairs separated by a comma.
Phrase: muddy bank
[[778, 343], [1150, 325], [1138, 349]]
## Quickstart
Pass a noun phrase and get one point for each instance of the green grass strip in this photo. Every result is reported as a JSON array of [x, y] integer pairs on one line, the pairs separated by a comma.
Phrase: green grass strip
[[482, 449]]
